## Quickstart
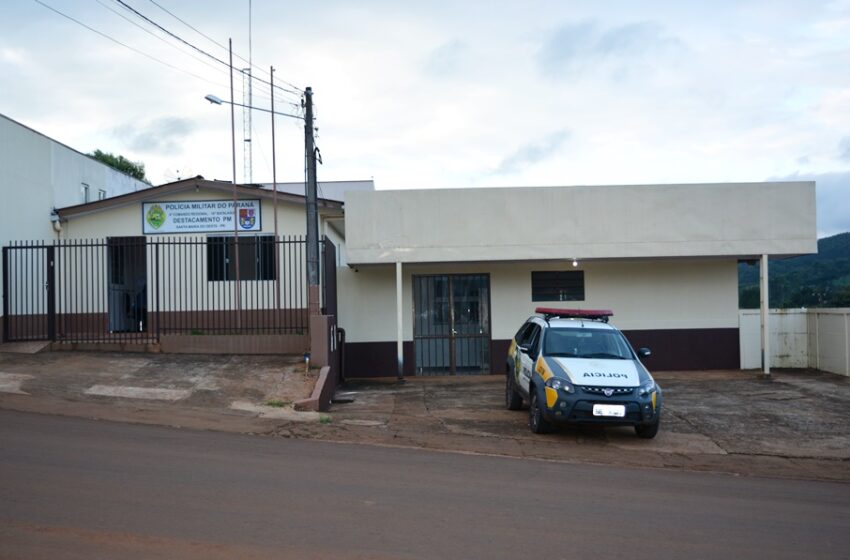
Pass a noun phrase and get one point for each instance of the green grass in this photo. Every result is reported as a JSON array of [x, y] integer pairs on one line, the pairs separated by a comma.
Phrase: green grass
[[324, 419], [277, 403]]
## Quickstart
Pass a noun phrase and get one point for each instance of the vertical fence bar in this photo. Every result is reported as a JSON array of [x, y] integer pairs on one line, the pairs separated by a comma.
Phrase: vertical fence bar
[[51, 296], [5, 294]]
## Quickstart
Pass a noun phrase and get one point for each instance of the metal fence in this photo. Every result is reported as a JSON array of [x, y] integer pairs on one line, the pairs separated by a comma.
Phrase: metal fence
[[134, 289]]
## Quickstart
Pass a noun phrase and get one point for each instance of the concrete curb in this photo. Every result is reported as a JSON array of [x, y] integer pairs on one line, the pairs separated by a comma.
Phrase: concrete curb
[[315, 400]]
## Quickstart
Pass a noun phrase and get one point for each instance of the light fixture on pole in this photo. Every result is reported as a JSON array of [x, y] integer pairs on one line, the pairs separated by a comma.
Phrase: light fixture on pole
[[311, 154], [218, 101]]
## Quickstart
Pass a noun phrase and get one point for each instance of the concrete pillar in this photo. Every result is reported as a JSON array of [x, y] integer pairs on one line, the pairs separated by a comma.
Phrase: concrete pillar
[[764, 305], [399, 321]]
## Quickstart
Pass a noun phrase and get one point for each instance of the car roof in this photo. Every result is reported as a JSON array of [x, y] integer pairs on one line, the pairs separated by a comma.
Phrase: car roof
[[572, 323]]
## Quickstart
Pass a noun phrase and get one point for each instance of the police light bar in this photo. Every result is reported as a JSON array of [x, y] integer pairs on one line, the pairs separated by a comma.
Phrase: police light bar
[[593, 314]]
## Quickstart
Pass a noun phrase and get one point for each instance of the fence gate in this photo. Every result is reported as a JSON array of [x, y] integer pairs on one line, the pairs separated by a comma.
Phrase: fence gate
[[29, 294]]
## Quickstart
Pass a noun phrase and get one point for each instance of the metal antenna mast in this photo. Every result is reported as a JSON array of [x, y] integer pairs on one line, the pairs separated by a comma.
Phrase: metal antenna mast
[[247, 94]]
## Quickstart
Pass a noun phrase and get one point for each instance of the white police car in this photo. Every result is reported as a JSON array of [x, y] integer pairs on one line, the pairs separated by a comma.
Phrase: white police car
[[571, 366]]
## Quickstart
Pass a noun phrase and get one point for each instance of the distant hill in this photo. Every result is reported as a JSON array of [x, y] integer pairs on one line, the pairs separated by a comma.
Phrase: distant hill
[[821, 280]]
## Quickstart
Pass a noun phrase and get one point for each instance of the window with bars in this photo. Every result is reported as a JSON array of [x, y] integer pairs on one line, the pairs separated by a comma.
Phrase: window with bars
[[557, 285], [256, 258]]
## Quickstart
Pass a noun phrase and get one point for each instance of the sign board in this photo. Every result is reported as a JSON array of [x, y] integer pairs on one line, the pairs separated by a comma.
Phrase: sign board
[[200, 216]]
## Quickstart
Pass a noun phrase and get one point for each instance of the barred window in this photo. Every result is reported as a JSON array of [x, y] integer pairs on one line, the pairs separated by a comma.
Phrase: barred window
[[557, 285], [256, 258]]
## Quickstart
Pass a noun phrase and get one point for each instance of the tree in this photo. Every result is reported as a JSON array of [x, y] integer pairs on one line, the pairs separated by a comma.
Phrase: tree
[[135, 169]]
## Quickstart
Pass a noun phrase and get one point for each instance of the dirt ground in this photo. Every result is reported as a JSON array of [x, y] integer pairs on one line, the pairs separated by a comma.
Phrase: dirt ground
[[172, 389], [794, 425]]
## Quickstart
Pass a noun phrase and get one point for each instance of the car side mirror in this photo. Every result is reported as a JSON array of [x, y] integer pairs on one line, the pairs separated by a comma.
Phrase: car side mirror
[[644, 352]]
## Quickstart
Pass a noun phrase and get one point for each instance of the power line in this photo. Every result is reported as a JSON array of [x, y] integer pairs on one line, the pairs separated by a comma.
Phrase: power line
[[152, 34], [116, 41], [201, 33], [187, 43]]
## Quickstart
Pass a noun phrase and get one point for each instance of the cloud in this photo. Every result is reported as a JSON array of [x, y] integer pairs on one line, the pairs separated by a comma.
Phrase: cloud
[[159, 136], [833, 200], [575, 46], [533, 152], [447, 59], [11, 56], [844, 148]]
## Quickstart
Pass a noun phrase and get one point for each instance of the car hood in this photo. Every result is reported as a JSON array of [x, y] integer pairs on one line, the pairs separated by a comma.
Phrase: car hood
[[600, 373]]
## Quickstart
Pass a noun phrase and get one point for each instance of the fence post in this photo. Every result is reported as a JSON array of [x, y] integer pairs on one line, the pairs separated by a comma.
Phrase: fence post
[[817, 340], [156, 288], [5, 294], [50, 283], [846, 347]]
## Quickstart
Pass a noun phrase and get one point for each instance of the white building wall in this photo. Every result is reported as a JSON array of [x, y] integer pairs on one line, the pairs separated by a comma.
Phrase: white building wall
[[584, 222], [38, 174], [644, 295], [127, 220]]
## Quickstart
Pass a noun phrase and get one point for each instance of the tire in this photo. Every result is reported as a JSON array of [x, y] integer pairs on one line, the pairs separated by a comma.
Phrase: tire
[[536, 421], [648, 431], [513, 400]]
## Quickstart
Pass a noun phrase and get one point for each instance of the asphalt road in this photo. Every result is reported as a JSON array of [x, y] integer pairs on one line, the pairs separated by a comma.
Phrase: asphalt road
[[72, 488]]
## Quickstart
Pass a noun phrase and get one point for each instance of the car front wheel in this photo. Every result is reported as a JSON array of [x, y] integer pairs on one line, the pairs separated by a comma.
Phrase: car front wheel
[[648, 431], [536, 422]]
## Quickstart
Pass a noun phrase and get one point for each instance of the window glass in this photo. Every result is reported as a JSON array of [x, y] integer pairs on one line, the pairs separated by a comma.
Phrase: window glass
[[557, 285], [256, 258], [523, 332], [586, 343], [534, 343]]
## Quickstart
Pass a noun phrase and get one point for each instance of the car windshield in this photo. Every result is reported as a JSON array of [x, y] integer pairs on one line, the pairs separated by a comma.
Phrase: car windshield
[[586, 343]]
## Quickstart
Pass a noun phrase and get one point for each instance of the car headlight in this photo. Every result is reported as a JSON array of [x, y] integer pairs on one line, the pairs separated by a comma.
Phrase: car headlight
[[560, 384], [647, 388]]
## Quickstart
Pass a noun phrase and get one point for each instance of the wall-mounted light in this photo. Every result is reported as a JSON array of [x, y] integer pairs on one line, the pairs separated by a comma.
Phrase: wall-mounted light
[[575, 263]]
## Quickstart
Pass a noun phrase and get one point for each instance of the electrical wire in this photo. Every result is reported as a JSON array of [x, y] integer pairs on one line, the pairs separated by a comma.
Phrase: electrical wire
[[152, 34], [202, 34], [200, 50], [126, 46]]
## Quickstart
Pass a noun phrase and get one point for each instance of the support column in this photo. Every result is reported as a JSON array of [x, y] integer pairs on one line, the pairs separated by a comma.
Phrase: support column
[[399, 322], [764, 306]]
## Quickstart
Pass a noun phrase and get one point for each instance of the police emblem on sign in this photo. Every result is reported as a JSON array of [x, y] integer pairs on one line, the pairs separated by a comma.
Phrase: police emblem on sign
[[247, 218]]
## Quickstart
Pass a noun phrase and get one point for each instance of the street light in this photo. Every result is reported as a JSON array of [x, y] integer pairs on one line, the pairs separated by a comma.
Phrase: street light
[[218, 101], [310, 185]]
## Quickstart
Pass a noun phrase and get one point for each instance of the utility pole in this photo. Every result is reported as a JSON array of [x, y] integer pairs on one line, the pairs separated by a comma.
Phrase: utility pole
[[274, 198], [237, 286], [312, 208]]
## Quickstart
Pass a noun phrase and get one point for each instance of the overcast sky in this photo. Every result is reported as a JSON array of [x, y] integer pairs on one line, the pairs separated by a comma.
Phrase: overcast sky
[[455, 94]]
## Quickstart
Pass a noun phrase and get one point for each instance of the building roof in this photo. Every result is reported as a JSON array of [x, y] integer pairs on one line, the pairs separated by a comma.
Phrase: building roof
[[153, 193]]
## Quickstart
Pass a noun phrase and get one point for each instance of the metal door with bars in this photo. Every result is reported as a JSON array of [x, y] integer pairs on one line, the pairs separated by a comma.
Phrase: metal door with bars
[[29, 295], [451, 325]]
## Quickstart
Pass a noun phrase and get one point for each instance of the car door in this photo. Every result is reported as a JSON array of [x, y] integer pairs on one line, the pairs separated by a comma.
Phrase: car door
[[527, 358]]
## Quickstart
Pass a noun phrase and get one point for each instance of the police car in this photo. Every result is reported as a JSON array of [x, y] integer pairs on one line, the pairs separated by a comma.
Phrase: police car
[[571, 366]]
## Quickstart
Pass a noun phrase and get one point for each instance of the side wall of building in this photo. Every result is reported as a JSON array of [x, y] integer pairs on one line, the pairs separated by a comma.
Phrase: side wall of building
[[38, 174], [685, 310]]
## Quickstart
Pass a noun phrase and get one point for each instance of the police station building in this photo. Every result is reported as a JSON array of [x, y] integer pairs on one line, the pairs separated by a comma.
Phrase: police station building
[[421, 282]]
